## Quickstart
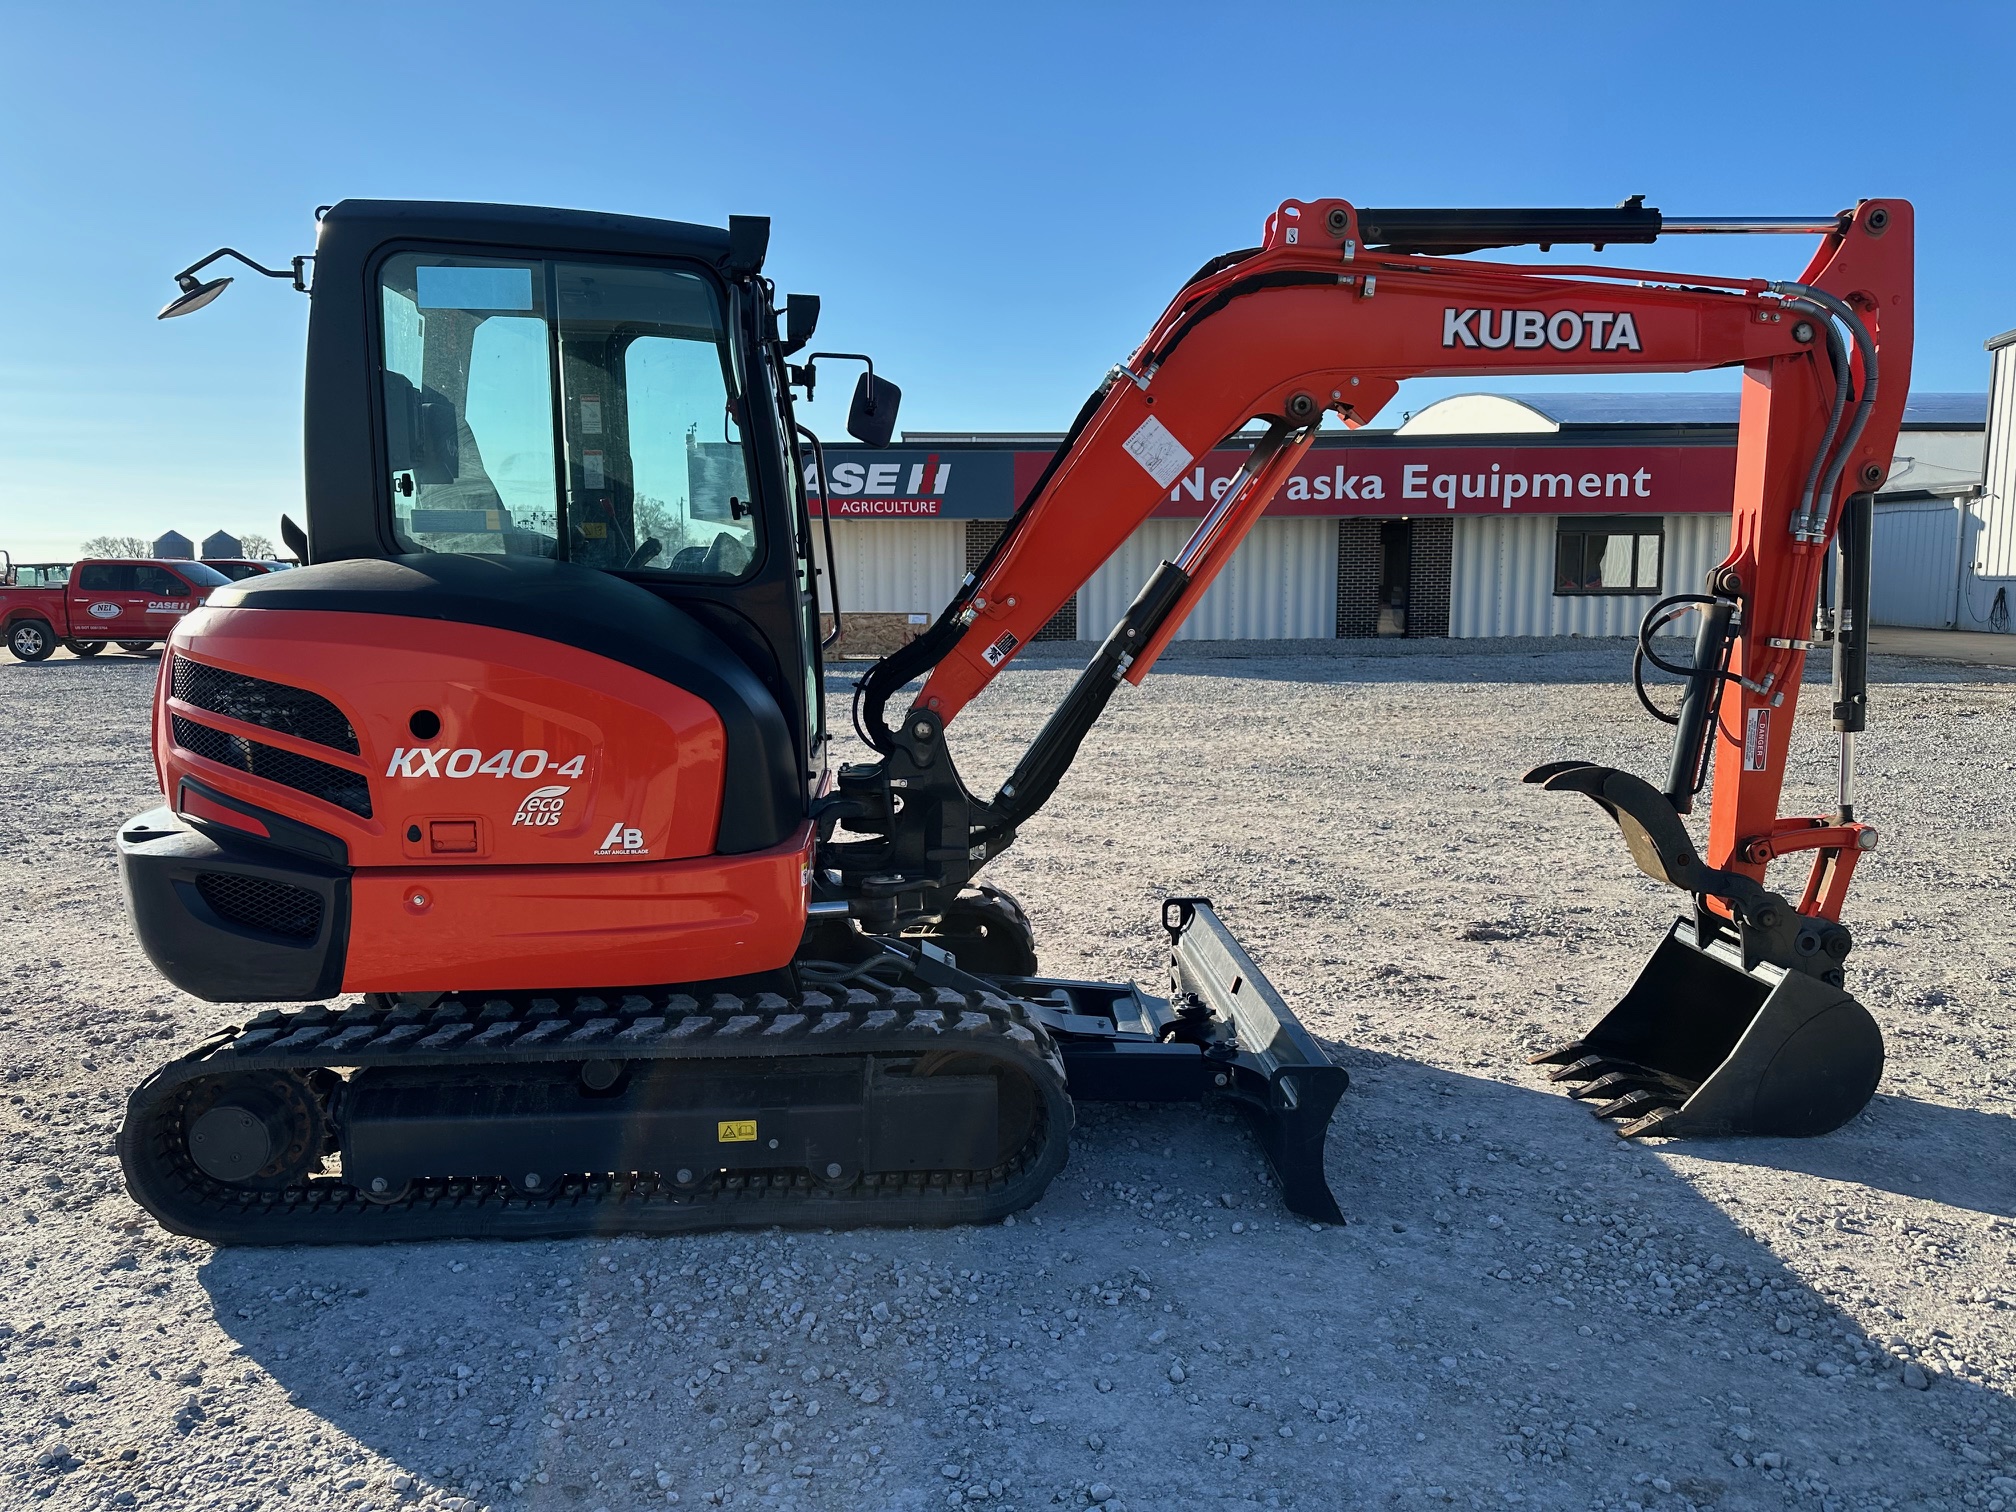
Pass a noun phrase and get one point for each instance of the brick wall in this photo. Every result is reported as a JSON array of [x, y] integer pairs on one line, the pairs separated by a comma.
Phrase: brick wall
[[980, 538], [1361, 566], [1359, 569], [1434, 542]]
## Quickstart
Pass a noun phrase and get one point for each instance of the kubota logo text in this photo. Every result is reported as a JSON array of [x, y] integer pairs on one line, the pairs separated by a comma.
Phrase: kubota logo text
[[438, 761], [1564, 330]]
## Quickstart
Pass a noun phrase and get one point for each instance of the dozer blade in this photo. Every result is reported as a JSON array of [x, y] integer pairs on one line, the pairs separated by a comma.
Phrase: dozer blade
[[1701, 1045], [1280, 1077]]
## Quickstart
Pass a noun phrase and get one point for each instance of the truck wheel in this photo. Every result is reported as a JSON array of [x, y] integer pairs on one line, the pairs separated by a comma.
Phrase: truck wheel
[[31, 640], [138, 648], [84, 648]]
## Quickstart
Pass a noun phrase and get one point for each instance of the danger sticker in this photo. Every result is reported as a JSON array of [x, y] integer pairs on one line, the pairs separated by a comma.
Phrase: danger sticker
[[998, 652], [1757, 741], [735, 1131], [1156, 450]]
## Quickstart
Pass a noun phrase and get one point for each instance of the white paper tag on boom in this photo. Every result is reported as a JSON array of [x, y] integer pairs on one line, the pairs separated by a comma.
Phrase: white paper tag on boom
[[1757, 741], [1159, 452]]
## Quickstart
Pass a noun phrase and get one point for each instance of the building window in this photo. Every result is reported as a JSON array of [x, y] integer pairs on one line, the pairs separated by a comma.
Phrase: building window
[[1608, 554]]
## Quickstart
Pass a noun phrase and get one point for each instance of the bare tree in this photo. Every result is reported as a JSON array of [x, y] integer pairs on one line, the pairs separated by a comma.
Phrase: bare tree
[[257, 548], [116, 546]]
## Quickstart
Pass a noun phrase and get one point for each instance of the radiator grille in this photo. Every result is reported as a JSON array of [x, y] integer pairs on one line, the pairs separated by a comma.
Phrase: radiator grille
[[318, 779], [292, 711], [272, 907]]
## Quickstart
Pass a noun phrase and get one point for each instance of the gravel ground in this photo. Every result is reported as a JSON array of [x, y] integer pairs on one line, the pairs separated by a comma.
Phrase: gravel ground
[[1523, 1309]]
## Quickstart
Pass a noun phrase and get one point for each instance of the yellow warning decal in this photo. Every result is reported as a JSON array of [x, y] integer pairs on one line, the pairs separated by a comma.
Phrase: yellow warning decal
[[735, 1130]]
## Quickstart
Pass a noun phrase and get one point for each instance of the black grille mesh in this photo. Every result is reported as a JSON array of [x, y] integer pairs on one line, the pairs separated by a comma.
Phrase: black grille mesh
[[318, 779], [255, 902], [292, 711]]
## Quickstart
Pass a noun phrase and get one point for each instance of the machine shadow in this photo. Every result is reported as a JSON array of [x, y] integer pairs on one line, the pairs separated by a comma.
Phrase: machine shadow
[[1500, 1241], [1961, 1157]]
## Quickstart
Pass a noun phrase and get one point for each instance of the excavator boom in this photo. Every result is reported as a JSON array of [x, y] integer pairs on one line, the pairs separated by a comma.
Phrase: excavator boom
[[1328, 316]]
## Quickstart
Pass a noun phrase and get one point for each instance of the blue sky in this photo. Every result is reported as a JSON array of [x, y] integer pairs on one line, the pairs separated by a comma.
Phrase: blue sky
[[995, 201]]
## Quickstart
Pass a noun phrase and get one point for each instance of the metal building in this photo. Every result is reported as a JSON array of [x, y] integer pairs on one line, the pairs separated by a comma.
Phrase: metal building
[[1986, 592], [1481, 515]]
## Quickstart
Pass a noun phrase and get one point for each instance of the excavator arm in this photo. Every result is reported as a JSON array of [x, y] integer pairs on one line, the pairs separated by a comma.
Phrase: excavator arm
[[1329, 315]]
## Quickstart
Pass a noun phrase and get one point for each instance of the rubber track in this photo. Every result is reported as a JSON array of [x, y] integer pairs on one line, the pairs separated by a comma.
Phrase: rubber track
[[459, 1033]]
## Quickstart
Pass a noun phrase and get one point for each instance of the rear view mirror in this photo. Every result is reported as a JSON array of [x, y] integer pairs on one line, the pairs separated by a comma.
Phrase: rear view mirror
[[871, 419]]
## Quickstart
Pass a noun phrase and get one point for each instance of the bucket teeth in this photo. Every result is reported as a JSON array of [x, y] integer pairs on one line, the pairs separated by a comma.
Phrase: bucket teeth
[[1648, 1126], [1613, 1084], [1574, 1050], [1580, 1070], [1636, 1104]]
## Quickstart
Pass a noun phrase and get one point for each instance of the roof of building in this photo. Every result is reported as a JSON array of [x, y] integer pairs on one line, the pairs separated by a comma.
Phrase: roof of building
[[1994, 343], [1516, 414], [1499, 414]]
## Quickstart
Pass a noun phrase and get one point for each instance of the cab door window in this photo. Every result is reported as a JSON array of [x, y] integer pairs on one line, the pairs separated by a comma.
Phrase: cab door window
[[469, 405], [633, 460]]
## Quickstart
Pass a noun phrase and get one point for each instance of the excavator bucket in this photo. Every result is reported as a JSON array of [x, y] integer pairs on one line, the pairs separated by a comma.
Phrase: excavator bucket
[[1702, 1045], [1716, 1037]]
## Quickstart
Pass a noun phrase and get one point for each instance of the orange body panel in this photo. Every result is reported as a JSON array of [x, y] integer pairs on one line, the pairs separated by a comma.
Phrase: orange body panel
[[557, 831], [426, 929], [613, 750]]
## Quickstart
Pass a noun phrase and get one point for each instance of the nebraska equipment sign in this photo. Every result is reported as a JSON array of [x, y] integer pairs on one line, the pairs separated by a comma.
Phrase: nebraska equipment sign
[[1382, 476]]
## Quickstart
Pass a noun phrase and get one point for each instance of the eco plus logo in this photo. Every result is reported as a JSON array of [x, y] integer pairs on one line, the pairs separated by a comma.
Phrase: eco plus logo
[[542, 808], [1528, 330], [622, 841]]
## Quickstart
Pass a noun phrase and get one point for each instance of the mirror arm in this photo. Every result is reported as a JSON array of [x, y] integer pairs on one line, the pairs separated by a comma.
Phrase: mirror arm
[[186, 279], [845, 357]]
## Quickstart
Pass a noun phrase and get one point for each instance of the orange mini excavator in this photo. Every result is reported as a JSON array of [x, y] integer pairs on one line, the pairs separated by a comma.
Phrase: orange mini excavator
[[524, 782]]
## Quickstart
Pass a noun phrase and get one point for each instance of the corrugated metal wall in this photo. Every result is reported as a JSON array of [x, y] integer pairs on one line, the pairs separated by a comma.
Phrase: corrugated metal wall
[[1502, 578], [1913, 563], [1995, 548], [895, 566], [1281, 583]]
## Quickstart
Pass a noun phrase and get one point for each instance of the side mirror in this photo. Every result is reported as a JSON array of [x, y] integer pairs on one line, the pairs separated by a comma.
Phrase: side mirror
[[294, 538], [871, 419], [801, 319]]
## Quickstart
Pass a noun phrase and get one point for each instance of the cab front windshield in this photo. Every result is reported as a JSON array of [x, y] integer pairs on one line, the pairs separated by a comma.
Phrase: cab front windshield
[[636, 463]]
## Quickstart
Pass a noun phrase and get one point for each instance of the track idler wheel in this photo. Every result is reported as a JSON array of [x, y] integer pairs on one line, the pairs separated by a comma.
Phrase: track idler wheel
[[1702, 1046], [264, 1131], [987, 932]]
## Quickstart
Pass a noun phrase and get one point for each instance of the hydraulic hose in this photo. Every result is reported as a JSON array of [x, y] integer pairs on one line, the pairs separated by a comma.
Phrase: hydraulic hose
[[1821, 507], [1837, 356]]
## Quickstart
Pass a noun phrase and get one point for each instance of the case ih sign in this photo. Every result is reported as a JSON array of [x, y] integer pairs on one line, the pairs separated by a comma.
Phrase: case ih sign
[[1381, 476], [912, 483]]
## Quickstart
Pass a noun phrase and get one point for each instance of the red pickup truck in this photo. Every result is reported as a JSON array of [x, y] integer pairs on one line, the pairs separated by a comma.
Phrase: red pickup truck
[[131, 604]]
